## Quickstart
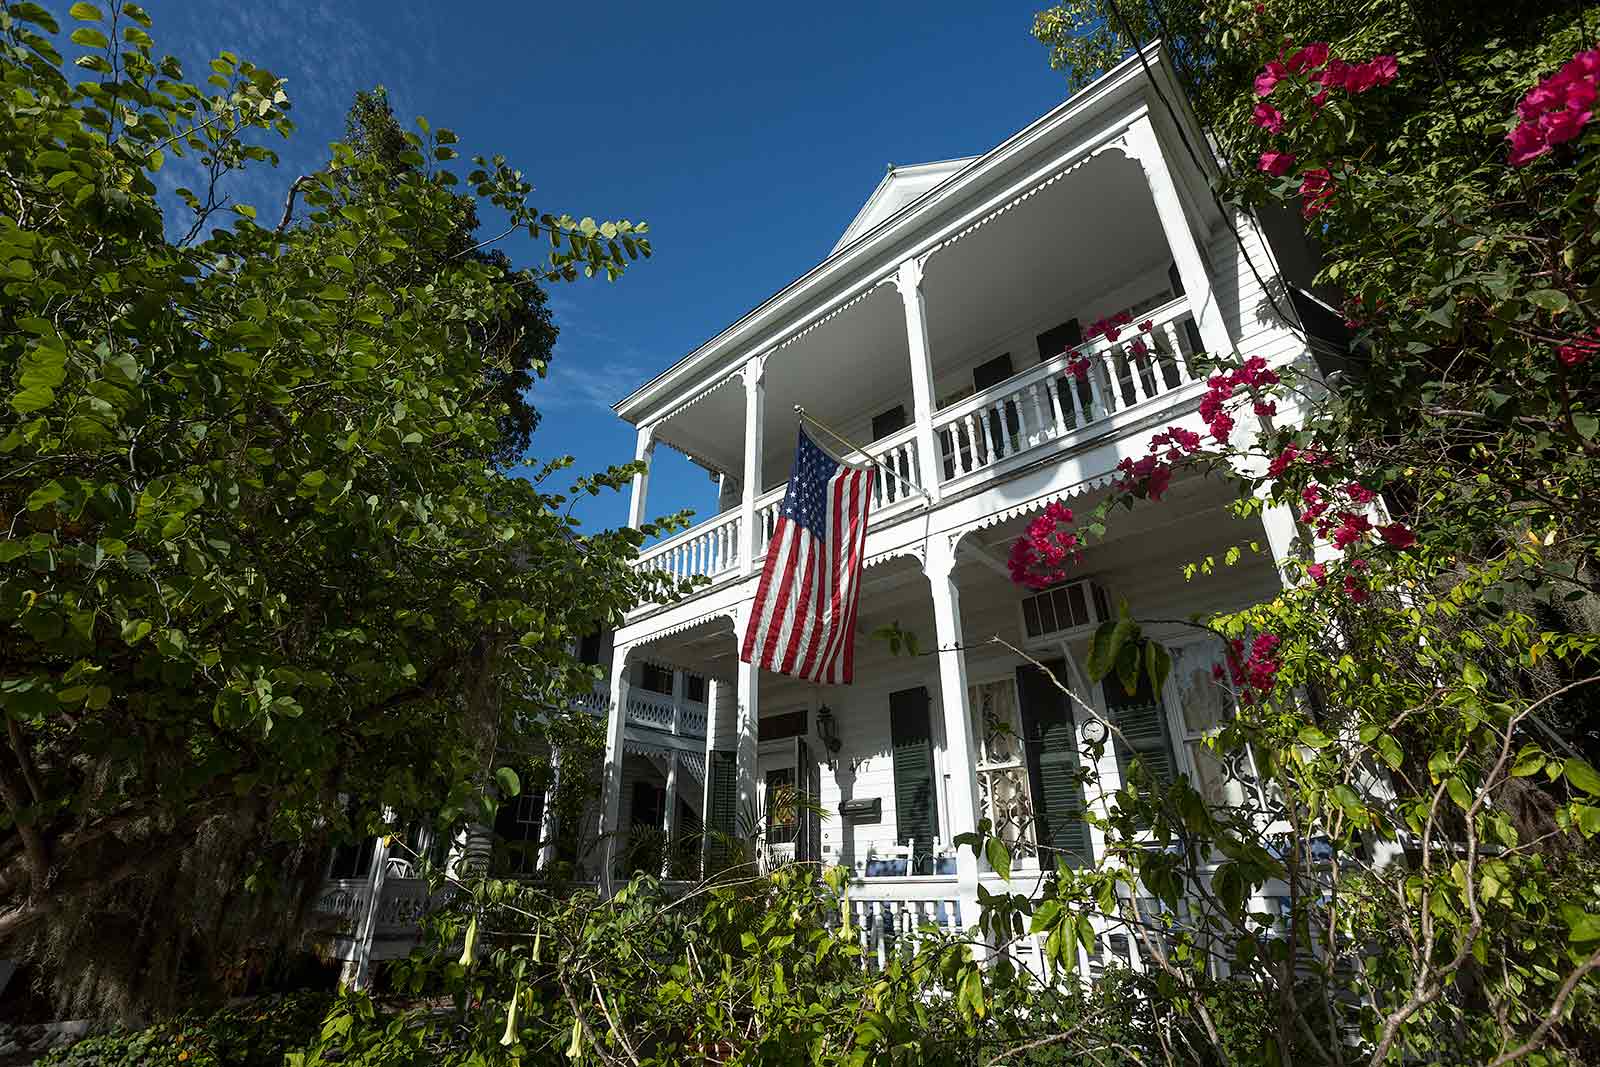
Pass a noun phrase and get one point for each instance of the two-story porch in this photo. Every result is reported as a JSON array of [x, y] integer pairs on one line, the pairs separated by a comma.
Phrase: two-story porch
[[950, 337]]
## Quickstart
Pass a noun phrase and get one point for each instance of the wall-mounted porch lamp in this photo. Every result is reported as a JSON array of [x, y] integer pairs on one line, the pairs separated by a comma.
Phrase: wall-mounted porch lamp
[[828, 731]]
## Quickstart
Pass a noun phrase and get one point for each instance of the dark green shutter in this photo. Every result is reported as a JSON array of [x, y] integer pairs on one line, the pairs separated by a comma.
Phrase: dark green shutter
[[1051, 739], [722, 805], [916, 817], [1142, 720]]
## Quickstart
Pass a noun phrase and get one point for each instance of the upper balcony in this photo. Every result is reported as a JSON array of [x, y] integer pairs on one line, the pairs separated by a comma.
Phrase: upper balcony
[[1073, 397]]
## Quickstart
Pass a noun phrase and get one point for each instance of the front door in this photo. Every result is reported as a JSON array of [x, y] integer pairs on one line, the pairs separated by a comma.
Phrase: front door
[[1050, 738]]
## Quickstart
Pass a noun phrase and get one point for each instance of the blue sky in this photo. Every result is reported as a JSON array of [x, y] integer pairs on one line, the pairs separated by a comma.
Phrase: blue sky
[[747, 136]]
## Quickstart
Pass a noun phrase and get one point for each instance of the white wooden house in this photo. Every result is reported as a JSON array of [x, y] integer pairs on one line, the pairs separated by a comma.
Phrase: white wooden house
[[935, 335]]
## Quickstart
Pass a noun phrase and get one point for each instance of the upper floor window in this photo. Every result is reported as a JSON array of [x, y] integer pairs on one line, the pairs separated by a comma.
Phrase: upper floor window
[[589, 648], [1058, 339], [888, 422], [656, 678], [694, 687]]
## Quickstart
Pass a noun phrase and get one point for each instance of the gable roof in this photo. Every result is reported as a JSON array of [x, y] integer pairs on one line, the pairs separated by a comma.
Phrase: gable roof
[[900, 186]]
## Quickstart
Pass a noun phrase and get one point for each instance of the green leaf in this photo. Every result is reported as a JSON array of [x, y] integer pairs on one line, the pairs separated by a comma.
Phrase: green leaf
[[45, 495], [1157, 664], [1312, 737], [85, 12], [135, 630], [506, 780], [1549, 299], [1581, 925], [34, 398], [1586, 424], [1581, 774], [89, 37], [999, 857]]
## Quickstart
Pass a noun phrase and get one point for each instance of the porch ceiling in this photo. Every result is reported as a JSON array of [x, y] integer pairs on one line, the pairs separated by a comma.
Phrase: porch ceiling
[[1065, 249]]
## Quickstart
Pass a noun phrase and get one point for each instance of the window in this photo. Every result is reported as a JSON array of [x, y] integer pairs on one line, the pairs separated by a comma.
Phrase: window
[[519, 824], [1206, 705], [589, 648], [353, 859], [694, 688], [888, 422], [916, 814], [780, 797], [992, 372], [1002, 438], [722, 802], [656, 678], [1058, 339], [1055, 774], [1142, 720], [649, 804], [777, 727]]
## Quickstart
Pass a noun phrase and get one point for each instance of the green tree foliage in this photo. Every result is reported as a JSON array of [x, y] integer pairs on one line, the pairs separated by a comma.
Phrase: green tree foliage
[[258, 555]]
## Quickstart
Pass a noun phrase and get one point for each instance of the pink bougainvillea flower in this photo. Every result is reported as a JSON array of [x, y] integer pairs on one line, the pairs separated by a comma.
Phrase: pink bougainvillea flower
[[1354, 589], [1310, 57], [1318, 573], [1556, 110], [1147, 325], [1265, 408], [1335, 74], [1281, 462], [1319, 100], [1397, 535], [1277, 164], [1078, 367], [1139, 348], [1039, 558], [1270, 76], [1352, 526], [1316, 191], [1578, 351], [1267, 117], [1359, 493]]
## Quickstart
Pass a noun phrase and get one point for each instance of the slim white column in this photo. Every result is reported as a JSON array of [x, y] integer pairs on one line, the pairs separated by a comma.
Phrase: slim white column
[[643, 450], [1145, 146], [908, 279], [611, 790], [359, 970], [748, 716], [960, 746], [669, 817], [549, 824], [755, 402]]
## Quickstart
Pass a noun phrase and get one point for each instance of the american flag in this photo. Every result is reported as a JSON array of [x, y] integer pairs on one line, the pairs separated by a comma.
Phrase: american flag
[[804, 615]]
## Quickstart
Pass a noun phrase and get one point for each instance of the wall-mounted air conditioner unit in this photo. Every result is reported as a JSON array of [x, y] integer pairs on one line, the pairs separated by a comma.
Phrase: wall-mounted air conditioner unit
[[1064, 610]]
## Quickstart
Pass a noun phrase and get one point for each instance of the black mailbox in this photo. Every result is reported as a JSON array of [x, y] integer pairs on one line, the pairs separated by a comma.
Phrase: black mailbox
[[862, 810]]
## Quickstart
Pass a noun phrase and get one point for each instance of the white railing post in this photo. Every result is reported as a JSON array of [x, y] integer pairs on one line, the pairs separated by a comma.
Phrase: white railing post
[[755, 402], [643, 449], [908, 279], [1145, 146]]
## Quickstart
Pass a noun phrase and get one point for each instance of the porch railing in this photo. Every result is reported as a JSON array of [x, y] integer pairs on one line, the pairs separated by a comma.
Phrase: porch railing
[[1062, 396], [1067, 393], [892, 916], [708, 549], [657, 711]]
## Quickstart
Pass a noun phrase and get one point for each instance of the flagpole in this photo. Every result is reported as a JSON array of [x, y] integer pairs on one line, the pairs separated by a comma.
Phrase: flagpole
[[852, 446]]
